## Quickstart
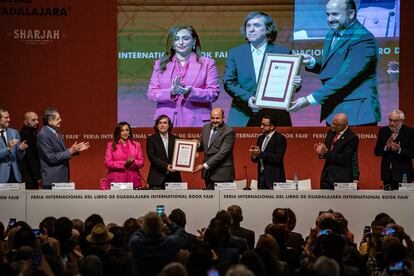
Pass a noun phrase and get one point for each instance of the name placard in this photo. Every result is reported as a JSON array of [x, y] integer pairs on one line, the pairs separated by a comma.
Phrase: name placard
[[9, 186], [285, 186], [225, 186], [176, 186], [406, 187], [116, 186], [345, 186], [63, 186]]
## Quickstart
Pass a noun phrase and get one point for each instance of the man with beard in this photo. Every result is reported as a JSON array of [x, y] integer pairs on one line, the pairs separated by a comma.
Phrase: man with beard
[[395, 144], [30, 164], [217, 142]]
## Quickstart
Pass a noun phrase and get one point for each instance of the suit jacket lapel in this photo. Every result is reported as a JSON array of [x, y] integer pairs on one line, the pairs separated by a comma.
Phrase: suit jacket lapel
[[171, 142], [219, 131], [194, 68], [247, 56]]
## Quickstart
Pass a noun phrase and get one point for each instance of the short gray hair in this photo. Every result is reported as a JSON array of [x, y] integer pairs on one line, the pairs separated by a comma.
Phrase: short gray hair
[[2, 110], [399, 112], [49, 114]]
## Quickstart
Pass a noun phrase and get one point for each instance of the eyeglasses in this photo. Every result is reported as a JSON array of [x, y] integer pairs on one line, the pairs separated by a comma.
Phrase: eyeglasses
[[394, 121], [262, 124]]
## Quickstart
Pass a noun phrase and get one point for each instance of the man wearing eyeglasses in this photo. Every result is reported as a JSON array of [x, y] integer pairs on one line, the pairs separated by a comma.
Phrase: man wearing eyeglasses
[[395, 144], [268, 153], [338, 150]]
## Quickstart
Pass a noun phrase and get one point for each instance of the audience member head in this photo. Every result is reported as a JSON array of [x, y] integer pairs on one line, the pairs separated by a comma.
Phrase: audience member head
[[268, 242], [279, 216], [239, 270], [119, 239], [331, 245], [152, 224], [200, 259], [325, 266], [236, 214], [216, 234], [78, 224], [280, 233], [173, 269], [291, 219], [178, 217], [99, 236], [91, 266], [63, 229], [331, 224], [225, 217], [48, 223], [24, 236], [254, 262], [130, 225], [91, 221]]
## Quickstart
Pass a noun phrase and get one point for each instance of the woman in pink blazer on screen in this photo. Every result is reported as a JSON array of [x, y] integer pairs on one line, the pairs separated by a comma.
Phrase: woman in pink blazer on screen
[[184, 84], [123, 158]]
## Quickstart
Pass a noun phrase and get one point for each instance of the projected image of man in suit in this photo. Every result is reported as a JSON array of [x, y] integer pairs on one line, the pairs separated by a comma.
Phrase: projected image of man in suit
[[243, 67], [348, 69]]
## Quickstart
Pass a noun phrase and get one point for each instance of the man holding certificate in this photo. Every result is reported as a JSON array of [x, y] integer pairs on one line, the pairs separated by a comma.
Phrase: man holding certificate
[[217, 142], [348, 69], [160, 148], [242, 71]]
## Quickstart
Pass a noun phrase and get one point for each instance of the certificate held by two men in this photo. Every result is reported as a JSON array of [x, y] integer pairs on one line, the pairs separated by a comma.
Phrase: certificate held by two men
[[184, 155], [275, 88]]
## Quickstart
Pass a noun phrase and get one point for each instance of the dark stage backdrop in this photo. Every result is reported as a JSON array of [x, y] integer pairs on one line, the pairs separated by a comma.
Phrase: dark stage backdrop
[[64, 54]]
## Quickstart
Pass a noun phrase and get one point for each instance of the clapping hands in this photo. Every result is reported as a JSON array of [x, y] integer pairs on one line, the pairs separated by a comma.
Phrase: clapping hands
[[178, 88]]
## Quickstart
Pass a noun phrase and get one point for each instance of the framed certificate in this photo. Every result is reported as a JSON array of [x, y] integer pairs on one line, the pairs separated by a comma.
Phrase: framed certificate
[[275, 88], [184, 155]]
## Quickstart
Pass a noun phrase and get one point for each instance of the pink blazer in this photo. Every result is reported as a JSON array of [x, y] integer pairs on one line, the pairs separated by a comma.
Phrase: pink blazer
[[115, 160], [193, 109]]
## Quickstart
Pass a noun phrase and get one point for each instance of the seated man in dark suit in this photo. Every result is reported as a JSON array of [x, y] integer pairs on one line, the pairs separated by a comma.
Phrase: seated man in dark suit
[[178, 217], [395, 145], [237, 216], [160, 147], [338, 150]]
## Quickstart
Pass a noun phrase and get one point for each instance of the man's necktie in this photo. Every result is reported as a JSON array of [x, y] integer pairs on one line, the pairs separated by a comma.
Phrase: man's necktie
[[266, 140], [212, 136], [335, 139], [3, 137], [335, 39]]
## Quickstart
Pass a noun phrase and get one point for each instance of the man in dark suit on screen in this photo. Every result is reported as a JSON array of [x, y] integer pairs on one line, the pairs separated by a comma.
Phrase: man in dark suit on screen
[[160, 147], [338, 150], [348, 69], [53, 154], [217, 142], [395, 144], [243, 69], [268, 153]]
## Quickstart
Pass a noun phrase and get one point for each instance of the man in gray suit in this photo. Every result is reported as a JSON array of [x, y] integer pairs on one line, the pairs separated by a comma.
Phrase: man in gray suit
[[11, 150], [53, 154], [217, 141]]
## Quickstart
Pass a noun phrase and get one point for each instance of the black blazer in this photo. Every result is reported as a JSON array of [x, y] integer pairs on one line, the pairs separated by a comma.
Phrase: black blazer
[[272, 156], [30, 164], [401, 162], [157, 156], [338, 159]]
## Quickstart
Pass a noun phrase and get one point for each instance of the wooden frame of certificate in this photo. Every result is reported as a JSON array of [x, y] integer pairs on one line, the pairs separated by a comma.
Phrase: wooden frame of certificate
[[184, 155], [275, 87]]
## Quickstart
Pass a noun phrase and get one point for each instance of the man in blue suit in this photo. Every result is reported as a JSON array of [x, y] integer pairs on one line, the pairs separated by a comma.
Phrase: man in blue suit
[[348, 69], [11, 150], [243, 69], [53, 154]]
